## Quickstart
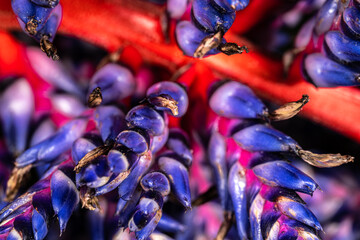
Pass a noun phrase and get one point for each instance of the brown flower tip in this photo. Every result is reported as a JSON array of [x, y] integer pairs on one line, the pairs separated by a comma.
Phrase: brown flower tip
[[208, 43], [288, 110], [18, 175], [91, 156], [165, 101], [88, 199], [31, 26], [232, 48], [324, 160], [95, 98], [48, 48]]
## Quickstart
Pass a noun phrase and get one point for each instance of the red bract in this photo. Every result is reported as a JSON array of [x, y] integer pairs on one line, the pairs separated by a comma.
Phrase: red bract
[[113, 24]]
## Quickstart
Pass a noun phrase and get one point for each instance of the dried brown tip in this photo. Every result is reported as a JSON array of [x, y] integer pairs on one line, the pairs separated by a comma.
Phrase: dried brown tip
[[205, 197], [48, 48], [208, 43], [31, 26], [95, 98], [18, 175], [288, 110], [232, 48], [229, 218], [166, 101], [324, 160], [91, 156], [88, 199]]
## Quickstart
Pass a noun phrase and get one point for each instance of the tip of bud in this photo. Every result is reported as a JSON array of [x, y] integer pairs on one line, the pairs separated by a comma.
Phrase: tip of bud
[[288, 110], [208, 43], [95, 98]]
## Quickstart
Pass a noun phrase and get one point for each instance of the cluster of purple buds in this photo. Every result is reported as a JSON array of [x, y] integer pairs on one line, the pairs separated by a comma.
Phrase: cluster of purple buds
[[40, 19], [256, 184], [332, 39], [210, 20], [111, 150]]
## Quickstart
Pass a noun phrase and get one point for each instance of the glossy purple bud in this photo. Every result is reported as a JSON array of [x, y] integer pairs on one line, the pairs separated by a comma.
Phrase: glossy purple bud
[[273, 193], [117, 161], [125, 211], [189, 38], [325, 16], [31, 14], [64, 197], [16, 207], [178, 143], [67, 105], [298, 212], [350, 22], [39, 225], [112, 184], [231, 5], [134, 141], [110, 121], [255, 212], [261, 137], [269, 217], [80, 148], [324, 72], [138, 169], [207, 18], [116, 82], [94, 175], [146, 210], [237, 186], [156, 181], [304, 232], [282, 174], [305, 33], [179, 179], [342, 48], [51, 25], [149, 228], [45, 130], [175, 91], [235, 100], [169, 224], [158, 142], [52, 72], [46, 3], [176, 8], [16, 110], [217, 158], [147, 119]]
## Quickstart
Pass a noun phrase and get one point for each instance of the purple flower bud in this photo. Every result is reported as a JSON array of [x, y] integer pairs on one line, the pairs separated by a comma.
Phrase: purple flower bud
[[39, 225], [134, 141], [255, 213], [325, 16], [282, 174], [110, 121], [168, 224], [350, 22], [324, 72], [138, 169], [179, 179], [117, 161], [178, 143], [217, 158], [64, 197], [52, 72], [342, 48], [67, 104], [298, 212], [149, 228], [16, 110], [158, 142], [209, 19], [147, 119], [189, 38], [175, 91], [115, 82], [235, 100], [156, 181], [261, 137], [237, 186]]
